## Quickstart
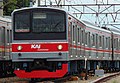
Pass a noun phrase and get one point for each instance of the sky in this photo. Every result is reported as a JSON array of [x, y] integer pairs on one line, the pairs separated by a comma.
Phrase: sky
[[101, 19]]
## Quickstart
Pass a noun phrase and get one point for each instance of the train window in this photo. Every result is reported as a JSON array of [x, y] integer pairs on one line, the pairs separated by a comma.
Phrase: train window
[[48, 22], [78, 35], [103, 42], [89, 39], [93, 40], [8, 34], [20, 24], [107, 42], [71, 31], [82, 36], [96, 40], [109, 46], [2, 37], [73, 34], [86, 38], [115, 43], [119, 44], [100, 41]]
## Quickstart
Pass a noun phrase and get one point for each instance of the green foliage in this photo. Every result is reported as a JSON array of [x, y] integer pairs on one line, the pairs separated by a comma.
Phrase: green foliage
[[10, 5]]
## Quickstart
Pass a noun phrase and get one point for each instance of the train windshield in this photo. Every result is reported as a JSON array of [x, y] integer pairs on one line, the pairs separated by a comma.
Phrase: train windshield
[[39, 24], [22, 22], [48, 22]]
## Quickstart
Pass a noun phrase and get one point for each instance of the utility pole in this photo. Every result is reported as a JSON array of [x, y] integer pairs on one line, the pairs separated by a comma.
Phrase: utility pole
[[1, 9]]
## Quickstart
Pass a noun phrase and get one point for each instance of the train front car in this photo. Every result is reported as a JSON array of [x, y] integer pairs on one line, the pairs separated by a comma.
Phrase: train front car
[[40, 43]]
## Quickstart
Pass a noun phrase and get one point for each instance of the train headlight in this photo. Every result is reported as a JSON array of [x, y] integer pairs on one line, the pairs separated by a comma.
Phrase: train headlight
[[60, 47], [19, 48]]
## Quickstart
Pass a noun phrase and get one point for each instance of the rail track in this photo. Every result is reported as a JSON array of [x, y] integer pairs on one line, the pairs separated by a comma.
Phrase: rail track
[[106, 78], [60, 80]]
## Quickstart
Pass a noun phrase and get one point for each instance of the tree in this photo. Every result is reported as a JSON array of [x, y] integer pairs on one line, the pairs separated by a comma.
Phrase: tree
[[10, 5]]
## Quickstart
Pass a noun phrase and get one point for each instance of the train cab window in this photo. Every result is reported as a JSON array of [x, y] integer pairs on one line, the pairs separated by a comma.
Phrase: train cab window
[[39, 24], [48, 22], [20, 24]]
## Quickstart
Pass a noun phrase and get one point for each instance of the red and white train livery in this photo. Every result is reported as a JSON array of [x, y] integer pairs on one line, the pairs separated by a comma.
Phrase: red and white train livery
[[50, 43]]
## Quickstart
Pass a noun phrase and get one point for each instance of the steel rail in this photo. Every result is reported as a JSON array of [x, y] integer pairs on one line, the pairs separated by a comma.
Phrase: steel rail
[[106, 78]]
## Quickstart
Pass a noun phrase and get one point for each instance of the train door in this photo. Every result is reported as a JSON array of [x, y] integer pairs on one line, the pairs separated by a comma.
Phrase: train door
[[8, 42], [100, 54], [73, 41], [103, 46], [115, 48], [70, 39], [83, 43], [97, 46], [87, 44], [87, 51], [93, 46], [2, 41]]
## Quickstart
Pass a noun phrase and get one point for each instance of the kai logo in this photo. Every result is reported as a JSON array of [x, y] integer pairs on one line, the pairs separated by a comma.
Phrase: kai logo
[[34, 46]]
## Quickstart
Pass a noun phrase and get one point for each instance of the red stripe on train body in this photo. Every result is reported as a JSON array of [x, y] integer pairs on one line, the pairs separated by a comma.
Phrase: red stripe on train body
[[40, 47]]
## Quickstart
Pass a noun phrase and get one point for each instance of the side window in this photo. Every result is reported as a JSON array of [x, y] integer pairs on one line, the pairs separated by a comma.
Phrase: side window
[[89, 39], [73, 34], [82, 36], [86, 38], [78, 32], [119, 43], [8, 36], [103, 42], [106, 42], [96, 41], [100, 41], [93, 39], [115, 43]]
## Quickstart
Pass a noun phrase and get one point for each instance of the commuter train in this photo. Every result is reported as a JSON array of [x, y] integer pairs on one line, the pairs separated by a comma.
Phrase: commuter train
[[51, 43], [6, 68]]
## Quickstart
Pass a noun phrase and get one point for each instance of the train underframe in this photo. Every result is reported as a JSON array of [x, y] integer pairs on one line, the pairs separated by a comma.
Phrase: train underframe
[[6, 68], [57, 69]]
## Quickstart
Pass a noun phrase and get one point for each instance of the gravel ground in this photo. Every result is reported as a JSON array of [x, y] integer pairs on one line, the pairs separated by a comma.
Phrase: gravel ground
[[114, 80], [13, 80], [90, 80]]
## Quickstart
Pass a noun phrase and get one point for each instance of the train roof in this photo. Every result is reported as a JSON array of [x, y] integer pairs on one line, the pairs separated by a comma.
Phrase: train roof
[[27, 8], [114, 30], [88, 24], [5, 18]]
